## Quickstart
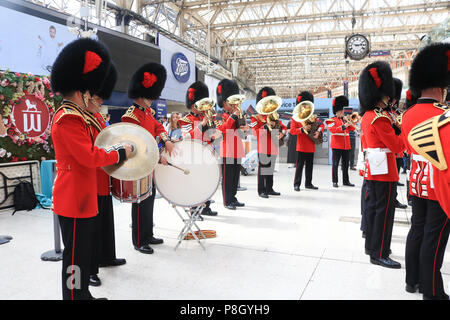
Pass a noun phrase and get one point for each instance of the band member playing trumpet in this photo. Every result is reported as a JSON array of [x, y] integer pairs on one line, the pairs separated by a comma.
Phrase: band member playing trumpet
[[340, 127], [375, 89], [145, 86], [306, 143], [77, 74], [195, 125], [268, 129], [231, 148], [427, 238]]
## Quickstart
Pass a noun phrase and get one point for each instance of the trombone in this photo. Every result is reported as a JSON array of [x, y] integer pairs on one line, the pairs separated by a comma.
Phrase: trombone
[[207, 106], [268, 106]]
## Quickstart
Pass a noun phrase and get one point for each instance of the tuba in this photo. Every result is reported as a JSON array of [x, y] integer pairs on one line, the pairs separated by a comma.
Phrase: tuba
[[207, 106], [269, 106], [236, 101], [304, 113]]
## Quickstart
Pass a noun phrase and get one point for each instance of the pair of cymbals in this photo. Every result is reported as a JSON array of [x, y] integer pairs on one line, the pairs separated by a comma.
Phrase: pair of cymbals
[[144, 158]]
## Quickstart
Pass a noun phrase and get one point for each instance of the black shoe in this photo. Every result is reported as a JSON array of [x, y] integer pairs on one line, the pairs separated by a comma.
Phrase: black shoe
[[363, 234], [94, 280], [209, 212], [297, 188], [400, 205], [144, 249], [113, 263], [274, 193], [386, 262], [403, 172], [367, 252], [238, 204], [348, 184], [230, 206], [412, 289], [99, 298], [353, 168], [400, 184], [241, 188], [410, 203], [154, 240], [444, 296], [335, 185], [311, 187], [263, 195]]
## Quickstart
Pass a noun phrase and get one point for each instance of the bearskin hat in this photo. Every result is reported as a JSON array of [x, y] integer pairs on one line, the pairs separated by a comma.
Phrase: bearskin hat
[[82, 65], [398, 85], [305, 96], [410, 100], [339, 103], [375, 81], [430, 68], [264, 92], [197, 91], [148, 81], [109, 83], [226, 88]]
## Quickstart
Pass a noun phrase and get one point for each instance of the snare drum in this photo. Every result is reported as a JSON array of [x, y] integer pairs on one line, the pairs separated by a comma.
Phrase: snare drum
[[199, 185], [131, 191]]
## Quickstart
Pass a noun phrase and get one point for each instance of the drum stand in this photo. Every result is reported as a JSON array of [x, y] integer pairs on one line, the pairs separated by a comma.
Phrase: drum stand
[[193, 214]]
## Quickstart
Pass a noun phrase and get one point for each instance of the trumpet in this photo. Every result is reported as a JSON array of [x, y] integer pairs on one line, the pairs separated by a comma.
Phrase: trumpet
[[268, 106], [207, 106], [236, 101]]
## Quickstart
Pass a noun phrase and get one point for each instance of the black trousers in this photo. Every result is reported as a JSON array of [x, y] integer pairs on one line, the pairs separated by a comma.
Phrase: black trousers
[[352, 152], [104, 237], [304, 158], [425, 246], [142, 220], [230, 178], [379, 216], [336, 158], [266, 168], [364, 194], [77, 235], [399, 162]]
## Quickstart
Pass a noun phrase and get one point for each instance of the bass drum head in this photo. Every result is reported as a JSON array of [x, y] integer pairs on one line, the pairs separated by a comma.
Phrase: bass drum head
[[195, 188]]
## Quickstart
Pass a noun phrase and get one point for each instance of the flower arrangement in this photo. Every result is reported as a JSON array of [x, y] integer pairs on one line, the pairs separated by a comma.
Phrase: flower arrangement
[[16, 145]]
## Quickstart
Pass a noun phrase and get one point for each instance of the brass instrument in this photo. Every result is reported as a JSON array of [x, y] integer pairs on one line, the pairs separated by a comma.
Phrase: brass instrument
[[304, 113], [207, 106], [236, 101], [269, 106]]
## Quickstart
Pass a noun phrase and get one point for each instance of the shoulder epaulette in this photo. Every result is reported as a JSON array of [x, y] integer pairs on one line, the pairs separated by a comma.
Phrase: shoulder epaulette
[[425, 139], [440, 106], [68, 109], [380, 114], [130, 114], [186, 119]]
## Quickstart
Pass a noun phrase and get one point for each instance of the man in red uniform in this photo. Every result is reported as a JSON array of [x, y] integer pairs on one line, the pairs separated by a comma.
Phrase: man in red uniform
[[428, 235], [104, 244], [145, 86], [231, 147], [267, 146], [78, 72], [194, 125], [340, 140], [305, 147], [375, 90]]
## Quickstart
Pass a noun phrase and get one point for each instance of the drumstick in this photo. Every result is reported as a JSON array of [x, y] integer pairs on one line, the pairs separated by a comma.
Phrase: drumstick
[[185, 171]]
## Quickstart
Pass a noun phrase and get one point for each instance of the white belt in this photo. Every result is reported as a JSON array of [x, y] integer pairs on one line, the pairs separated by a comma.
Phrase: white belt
[[418, 157], [339, 134], [378, 150]]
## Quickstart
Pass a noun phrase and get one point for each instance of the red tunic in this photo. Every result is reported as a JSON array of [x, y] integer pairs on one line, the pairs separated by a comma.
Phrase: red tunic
[[340, 138], [231, 145], [102, 176], [266, 145], [304, 143], [421, 171], [377, 132], [144, 117], [75, 186], [192, 124], [442, 177]]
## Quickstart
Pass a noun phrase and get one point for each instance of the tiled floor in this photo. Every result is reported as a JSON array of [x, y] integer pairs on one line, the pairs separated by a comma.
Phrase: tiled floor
[[301, 245]]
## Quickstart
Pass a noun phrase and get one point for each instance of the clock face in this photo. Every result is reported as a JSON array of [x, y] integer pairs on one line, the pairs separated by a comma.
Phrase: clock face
[[357, 46]]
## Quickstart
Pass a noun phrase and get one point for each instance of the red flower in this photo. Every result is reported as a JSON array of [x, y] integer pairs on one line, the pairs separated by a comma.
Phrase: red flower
[[14, 159]]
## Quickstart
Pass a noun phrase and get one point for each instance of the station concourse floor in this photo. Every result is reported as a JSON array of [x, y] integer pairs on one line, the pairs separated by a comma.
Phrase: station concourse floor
[[303, 245]]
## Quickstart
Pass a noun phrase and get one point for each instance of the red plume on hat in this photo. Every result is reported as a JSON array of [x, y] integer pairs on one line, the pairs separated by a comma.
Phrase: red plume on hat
[[91, 61], [334, 101], [264, 94], [299, 98], [149, 80], [191, 93], [219, 89], [374, 73]]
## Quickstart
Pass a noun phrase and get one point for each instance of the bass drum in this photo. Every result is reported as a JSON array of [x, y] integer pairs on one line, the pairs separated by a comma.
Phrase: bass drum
[[194, 188]]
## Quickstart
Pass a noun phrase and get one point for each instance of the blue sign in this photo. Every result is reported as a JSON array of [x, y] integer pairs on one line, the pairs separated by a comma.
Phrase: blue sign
[[160, 107], [180, 67], [380, 53]]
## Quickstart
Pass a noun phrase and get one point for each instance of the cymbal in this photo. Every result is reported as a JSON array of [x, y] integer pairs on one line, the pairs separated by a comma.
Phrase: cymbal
[[141, 162]]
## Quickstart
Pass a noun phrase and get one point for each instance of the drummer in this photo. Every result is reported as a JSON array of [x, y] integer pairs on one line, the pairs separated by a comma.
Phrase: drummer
[[195, 126], [145, 86]]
